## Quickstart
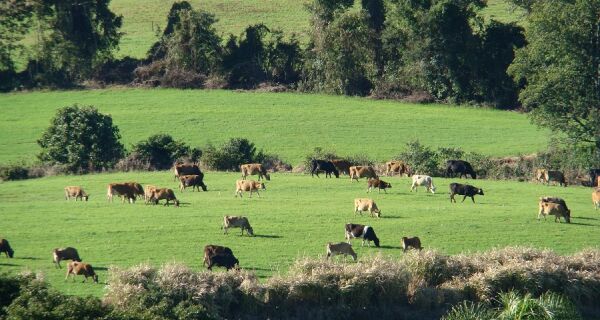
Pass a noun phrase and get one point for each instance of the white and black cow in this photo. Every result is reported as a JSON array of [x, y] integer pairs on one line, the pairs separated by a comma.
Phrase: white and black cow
[[361, 231], [465, 190]]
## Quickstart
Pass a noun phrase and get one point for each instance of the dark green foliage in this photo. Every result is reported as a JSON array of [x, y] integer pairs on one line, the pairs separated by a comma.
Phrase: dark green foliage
[[376, 11], [158, 50], [559, 68], [420, 158], [231, 155], [161, 150], [82, 139], [244, 58], [324, 10], [15, 19], [14, 172]]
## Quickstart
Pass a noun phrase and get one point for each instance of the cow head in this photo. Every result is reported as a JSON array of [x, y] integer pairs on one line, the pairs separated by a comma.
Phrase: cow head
[[10, 252], [377, 212], [176, 202], [376, 242], [568, 216], [480, 191], [336, 172], [473, 174], [250, 231], [236, 264], [86, 197], [268, 177], [95, 277], [262, 186], [204, 188]]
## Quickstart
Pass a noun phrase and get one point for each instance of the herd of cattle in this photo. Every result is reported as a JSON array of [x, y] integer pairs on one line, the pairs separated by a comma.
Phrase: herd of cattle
[[190, 175]]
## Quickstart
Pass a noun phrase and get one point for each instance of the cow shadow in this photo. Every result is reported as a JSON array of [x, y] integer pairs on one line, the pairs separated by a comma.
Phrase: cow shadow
[[585, 218], [390, 247], [257, 269], [101, 268], [391, 217], [8, 264], [29, 258], [267, 236], [582, 224]]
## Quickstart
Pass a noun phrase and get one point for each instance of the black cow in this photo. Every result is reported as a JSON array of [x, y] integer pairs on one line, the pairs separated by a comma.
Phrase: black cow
[[227, 261], [5, 247], [556, 200], [464, 190], [460, 167], [361, 231], [323, 165], [594, 174]]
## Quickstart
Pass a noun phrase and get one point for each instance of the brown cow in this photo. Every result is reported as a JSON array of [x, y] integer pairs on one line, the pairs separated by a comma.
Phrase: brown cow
[[148, 189], [211, 250], [340, 248], [68, 253], [558, 210], [237, 222], [194, 181], [5, 247], [248, 185], [357, 172], [129, 190], [343, 166], [379, 184], [596, 198], [251, 169], [414, 242], [163, 194], [79, 268], [186, 169], [363, 204], [543, 175], [397, 167], [220, 256], [75, 192]]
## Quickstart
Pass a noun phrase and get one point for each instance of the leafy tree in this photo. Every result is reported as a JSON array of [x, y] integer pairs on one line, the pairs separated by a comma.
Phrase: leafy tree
[[158, 49], [232, 154], [161, 150], [559, 68], [244, 58], [323, 10], [82, 139], [376, 11], [15, 19]]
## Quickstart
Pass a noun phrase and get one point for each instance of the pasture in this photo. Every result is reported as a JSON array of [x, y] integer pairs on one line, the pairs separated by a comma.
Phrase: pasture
[[290, 125], [295, 217]]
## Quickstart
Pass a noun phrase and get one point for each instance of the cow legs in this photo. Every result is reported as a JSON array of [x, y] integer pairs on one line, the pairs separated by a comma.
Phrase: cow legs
[[473, 198], [452, 198]]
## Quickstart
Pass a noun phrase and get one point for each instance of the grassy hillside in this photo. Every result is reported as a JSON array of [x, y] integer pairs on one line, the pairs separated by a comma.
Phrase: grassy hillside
[[290, 125], [296, 216]]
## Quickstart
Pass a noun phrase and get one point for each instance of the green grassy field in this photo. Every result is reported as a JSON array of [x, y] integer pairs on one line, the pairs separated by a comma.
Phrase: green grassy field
[[290, 125], [296, 216]]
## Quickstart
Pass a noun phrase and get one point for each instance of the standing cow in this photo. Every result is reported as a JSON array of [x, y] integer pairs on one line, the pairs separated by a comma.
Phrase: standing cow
[[464, 190], [379, 184], [460, 168], [413, 242], [357, 172], [546, 176], [596, 198], [362, 204], [367, 233], [396, 167], [237, 222], [422, 180], [248, 186], [75, 192], [323, 165], [342, 248], [556, 207], [254, 169], [76, 268], [343, 166], [163, 194], [5, 247], [186, 169], [193, 180]]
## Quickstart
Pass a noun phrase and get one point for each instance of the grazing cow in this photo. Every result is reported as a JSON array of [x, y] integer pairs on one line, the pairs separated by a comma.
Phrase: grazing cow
[[595, 177], [379, 184], [422, 180], [340, 248], [464, 190], [75, 192], [343, 166], [543, 175], [211, 250], [129, 190], [361, 231], [396, 167], [357, 172], [323, 165], [557, 200], [163, 194], [5, 247], [186, 169], [248, 185], [192, 180], [254, 169], [220, 256], [408, 243], [76, 268], [596, 198], [68, 253], [362, 204], [460, 167], [237, 222], [148, 189], [556, 209]]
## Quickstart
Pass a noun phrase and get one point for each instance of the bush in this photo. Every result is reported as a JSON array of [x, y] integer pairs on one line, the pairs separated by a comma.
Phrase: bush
[[160, 151], [82, 139], [318, 154], [231, 155], [420, 158], [14, 172]]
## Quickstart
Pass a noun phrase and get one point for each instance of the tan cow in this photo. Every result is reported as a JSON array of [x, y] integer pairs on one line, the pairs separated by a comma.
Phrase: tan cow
[[422, 180], [343, 166], [163, 194], [237, 222], [75, 192], [396, 167], [249, 186], [413, 242], [129, 190], [148, 189], [357, 172], [340, 248], [186, 169], [364, 204], [76, 268], [596, 198], [251, 169], [546, 176], [558, 210]]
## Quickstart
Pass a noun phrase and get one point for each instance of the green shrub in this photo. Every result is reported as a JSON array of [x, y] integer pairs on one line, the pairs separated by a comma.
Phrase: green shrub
[[231, 155], [161, 150], [14, 172], [420, 158]]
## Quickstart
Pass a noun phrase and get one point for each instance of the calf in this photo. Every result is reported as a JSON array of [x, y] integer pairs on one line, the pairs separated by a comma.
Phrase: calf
[[414, 242], [357, 172], [5, 247], [186, 169], [254, 169], [363, 204], [343, 166], [163, 194], [596, 198], [79, 268], [379, 184], [464, 190], [249, 186], [211, 250], [422, 180], [340, 248], [396, 167], [237, 222], [460, 167], [219, 256], [194, 181], [558, 210], [361, 231], [75, 192], [323, 165], [67, 253]]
